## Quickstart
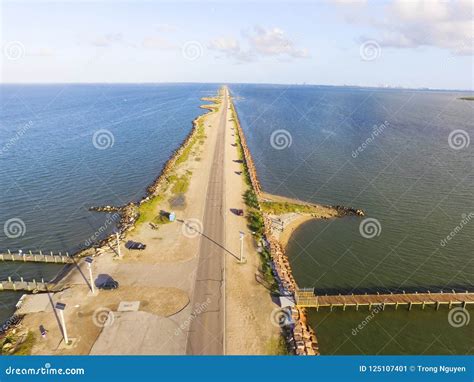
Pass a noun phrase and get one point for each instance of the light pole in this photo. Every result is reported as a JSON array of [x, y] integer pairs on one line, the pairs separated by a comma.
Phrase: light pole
[[118, 244], [241, 246], [60, 306], [89, 261]]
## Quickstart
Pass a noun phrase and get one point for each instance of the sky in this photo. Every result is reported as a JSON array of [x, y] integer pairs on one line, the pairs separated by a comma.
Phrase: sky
[[407, 43]]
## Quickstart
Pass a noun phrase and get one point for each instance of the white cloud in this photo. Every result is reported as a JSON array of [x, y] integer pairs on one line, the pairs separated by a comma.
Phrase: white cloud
[[273, 42], [166, 28], [417, 23], [43, 52], [156, 42], [447, 25], [110, 39], [107, 39], [260, 42]]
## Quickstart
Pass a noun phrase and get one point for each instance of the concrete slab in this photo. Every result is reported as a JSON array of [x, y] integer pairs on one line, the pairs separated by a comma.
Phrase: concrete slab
[[33, 303], [128, 306], [140, 333]]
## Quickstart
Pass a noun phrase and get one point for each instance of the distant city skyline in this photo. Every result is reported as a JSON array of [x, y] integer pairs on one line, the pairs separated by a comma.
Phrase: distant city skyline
[[397, 43]]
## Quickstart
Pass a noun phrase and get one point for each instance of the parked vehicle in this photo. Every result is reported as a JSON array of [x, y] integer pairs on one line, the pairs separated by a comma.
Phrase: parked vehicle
[[135, 245], [109, 284], [237, 211]]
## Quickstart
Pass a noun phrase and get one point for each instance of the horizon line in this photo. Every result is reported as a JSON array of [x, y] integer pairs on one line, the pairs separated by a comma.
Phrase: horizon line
[[242, 83]]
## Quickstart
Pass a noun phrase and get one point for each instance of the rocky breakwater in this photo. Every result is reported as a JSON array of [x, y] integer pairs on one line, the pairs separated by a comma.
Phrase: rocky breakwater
[[128, 216], [248, 160], [300, 338], [153, 189]]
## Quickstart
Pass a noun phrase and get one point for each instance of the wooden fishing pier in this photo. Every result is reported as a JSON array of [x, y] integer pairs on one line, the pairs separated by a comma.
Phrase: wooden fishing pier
[[39, 257], [30, 286], [306, 298]]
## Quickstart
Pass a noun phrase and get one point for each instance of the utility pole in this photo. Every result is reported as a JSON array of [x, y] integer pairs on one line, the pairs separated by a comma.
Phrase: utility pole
[[242, 246], [60, 307], [89, 261], [118, 244]]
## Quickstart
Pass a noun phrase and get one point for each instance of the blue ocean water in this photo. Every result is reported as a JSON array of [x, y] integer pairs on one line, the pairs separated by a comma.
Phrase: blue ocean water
[[388, 152], [64, 148]]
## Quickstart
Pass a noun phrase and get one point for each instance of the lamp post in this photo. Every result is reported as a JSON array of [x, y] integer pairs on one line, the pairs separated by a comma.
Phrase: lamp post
[[89, 261], [118, 244], [241, 246], [60, 307]]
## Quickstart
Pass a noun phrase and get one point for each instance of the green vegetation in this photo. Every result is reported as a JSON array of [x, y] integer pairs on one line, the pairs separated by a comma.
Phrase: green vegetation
[[180, 183], [199, 135], [278, 208], [148, 209], [467, 98], [254, 214], [277, 346], [20, 346], [251, 198]]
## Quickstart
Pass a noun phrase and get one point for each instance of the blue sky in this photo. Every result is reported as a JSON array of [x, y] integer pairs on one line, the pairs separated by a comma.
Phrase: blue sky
[[410, 43]]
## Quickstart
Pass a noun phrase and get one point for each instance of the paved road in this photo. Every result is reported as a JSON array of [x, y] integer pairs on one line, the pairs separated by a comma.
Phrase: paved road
[[206, 335]]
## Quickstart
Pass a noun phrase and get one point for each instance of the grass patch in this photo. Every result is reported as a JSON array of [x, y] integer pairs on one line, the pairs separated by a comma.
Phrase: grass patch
[[181, 183], [20, 348], [198, 136], [467, 98], [147, 210], [278, 208], [276, 346]]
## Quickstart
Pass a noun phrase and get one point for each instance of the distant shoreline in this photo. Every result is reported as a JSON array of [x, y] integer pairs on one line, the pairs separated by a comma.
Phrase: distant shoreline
[[387, 88]]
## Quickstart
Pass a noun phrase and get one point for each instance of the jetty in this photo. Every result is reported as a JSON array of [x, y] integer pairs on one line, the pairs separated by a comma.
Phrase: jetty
[[30, 286], [39, 257], [306, 298]]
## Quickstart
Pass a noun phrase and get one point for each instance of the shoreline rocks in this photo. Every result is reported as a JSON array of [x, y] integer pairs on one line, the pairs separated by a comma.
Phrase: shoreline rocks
[[300, 337]]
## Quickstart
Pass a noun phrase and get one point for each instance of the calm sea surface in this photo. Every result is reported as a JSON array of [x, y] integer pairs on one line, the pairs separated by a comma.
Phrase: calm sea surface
[[66, 148], [387, 152]]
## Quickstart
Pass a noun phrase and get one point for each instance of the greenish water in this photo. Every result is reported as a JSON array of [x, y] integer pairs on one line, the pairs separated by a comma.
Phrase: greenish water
[[407, 177]]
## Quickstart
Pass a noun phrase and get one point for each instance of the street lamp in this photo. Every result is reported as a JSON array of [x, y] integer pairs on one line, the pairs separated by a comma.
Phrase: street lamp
[[60, 306], [89, 261], [118, 244], [241, 246]]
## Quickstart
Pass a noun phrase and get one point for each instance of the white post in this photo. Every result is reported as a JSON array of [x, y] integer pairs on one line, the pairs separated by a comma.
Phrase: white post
[[241, 246], [118, 244], [63, 324], [90, 276]]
